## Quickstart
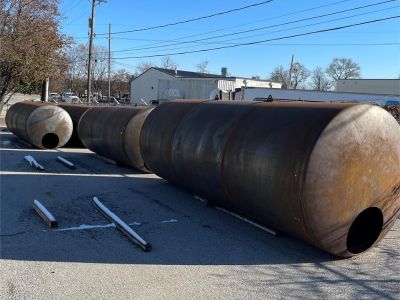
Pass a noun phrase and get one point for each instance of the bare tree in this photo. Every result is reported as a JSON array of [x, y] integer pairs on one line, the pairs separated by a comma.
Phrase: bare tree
[[30, 47], [120, 82], [343, 68], [299, 76], [76, 73], [168, 63], [280, 74], [99, 68], [319, 80], [201, 67], [144, 66]]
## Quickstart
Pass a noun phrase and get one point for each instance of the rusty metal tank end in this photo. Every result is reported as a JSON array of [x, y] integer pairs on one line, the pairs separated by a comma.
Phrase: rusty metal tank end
[[43, 125], [75, 112], [328, 174], [114, 132]]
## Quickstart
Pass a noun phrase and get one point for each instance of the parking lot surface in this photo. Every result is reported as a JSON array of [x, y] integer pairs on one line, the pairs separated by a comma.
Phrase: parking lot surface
[[198, 252]]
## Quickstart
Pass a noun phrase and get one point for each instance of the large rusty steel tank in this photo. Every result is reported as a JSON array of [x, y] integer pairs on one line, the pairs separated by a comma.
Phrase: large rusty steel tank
[[75, 111], [157, 135], [328, 174], [114, 132], [43, 125]]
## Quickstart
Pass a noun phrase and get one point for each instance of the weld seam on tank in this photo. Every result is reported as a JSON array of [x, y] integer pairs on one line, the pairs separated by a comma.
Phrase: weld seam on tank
[[104, 130], [75, 112], [148, 125], [227, 142], [172, 138]]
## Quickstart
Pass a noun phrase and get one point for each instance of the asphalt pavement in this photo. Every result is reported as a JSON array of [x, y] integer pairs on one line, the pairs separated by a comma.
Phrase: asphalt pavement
[[198, 252]]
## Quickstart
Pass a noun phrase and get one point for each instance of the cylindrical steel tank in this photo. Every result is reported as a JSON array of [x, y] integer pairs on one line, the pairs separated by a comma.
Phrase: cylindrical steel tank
[[43, 125], [114, 132], [326, 173], [75, 112], [157, 135]]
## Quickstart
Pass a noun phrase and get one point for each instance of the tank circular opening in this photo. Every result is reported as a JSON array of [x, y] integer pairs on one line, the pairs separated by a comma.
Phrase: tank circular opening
[[50, 140], [365, 230]]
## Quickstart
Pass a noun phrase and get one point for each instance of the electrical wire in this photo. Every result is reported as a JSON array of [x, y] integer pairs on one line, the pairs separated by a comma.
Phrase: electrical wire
[[262, 28], [71, 5], [266, 33], [77, 18], [265, 41], [191, 20], [221, 29], [240, 25]]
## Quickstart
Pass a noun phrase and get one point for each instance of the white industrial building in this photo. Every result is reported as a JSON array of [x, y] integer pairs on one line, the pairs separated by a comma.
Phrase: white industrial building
[[369, 86], [164, 84], [317, 96]]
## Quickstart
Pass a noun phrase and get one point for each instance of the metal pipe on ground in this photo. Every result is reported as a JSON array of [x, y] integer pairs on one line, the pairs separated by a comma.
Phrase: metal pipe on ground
[[75, 112], [43, 125], [114, 133], [328, 174]]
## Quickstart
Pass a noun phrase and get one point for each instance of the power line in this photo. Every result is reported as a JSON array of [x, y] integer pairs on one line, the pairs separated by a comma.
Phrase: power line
[[261, 28], [243, 24], [77, 18], [71, 5], [224, 28], [317, 23], [270, 32], [284, 44], [264, 41], [191, 20]]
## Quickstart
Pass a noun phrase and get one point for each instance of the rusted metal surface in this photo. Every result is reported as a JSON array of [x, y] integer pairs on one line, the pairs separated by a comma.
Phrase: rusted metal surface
[[114, 133], [132, 139], [157, 135], [354, 167], [43, 125], [198, 144], [325, 173], [75, 112]]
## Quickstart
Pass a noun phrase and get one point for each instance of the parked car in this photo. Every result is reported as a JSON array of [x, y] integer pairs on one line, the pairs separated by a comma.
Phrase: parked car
[[54, 97], [69, 97]]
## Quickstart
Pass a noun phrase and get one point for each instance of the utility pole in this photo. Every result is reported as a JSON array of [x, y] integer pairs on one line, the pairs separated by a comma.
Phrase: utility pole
[[91, 34], [44, 95], [290, 73], [109, 62], [89, 76]]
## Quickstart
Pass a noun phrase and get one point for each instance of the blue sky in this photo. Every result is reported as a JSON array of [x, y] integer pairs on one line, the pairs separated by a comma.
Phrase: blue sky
[[376, 46]]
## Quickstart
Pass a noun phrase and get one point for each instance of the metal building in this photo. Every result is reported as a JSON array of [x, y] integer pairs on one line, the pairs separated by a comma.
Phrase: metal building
[[158, 84], [311, 95], [369, 86]]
